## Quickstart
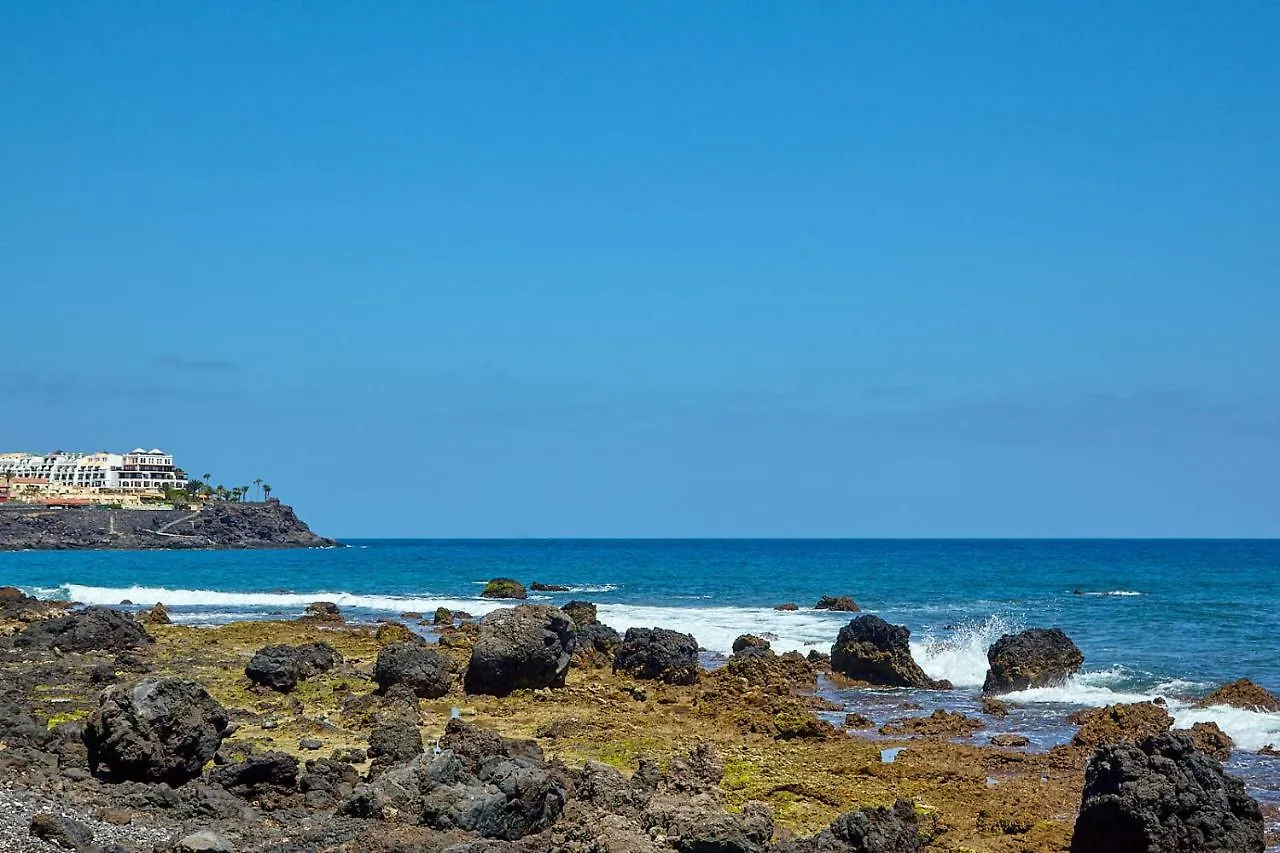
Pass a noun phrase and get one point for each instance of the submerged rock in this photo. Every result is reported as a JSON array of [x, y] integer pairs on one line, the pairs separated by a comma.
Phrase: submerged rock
[[870, 649], [524, 647], [658, 654], [1164, 796], [504, 588], [154, 731], [90, 630], [1037, 657], [425, 672], [1242, 693]]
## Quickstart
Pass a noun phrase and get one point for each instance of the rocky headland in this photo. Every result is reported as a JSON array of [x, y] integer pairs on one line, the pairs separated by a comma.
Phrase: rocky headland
[[540, 730], [216, 524]]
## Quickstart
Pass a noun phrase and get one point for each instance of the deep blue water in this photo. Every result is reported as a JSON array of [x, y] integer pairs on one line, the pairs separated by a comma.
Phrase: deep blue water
[[1167, 618]]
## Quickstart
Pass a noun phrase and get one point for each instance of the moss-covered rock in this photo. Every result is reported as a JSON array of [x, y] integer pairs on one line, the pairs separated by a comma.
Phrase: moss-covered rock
[[504, 588]]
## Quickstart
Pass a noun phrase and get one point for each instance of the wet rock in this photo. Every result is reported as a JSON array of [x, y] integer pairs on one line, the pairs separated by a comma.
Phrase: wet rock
[[415, 666], [536, 586], [1242, 694], [1037, 657], [658, 654], [837, 603], [1010, 740], [158, 615], [870, 649], [323, 611], [60, 831], [90, 630], [154, 731], [523, 647], [258, 776], [939, 724], [750, 641], [858, 721], [1212, 740], [282, 667], [993, 707], [1164, 796], [442, 616], [788, 607], [1115, 723], [504, 588], [581, 612]]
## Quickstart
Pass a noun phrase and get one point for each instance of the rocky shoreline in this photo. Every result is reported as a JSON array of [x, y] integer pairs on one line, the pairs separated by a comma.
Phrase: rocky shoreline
[[217, 524], [540, 729]]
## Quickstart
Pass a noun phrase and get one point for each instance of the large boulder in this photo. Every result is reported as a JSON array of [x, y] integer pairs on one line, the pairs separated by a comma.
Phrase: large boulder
[[595, 644], [422, 670], [258, 776], [504, 588], [282, 667], [1037, 657], [90, 630], [870, 649], [524, 647], [581, 612], [1163, 796], [658, 654], [866, 830], [161, 730]]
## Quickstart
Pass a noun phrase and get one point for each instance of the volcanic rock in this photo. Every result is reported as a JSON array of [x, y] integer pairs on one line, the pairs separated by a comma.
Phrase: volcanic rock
[[1212, 740], [154, 731], [1037, 657], [837, 603], [870, 649], [581, 612], [60, 831], [504, 588], [939, 724], [658, 654], [548, 587], [282, 667], [422, 670], [1009, 740], [1163, 796], [158, 615], [1115, 723], [1242, 694], [523, 647], [788, 607], [90, 630]]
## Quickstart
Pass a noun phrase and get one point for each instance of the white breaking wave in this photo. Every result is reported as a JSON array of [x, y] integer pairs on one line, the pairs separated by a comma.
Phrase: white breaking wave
[[715, 628], [1122, 593], [1251, 730], [961, 656]]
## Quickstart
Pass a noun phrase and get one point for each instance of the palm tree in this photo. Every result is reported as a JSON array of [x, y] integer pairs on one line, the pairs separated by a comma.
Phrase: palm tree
[[266, 491], [258, 483], [243, 490], [206, 477]]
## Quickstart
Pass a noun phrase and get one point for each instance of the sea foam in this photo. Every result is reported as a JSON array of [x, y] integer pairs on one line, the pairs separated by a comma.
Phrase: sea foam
[[961, 655]]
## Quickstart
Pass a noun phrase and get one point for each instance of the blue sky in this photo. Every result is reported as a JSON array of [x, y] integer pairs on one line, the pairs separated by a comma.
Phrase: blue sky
[[598, 269]]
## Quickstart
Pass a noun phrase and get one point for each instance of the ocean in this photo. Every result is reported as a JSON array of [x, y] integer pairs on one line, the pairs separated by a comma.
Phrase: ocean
[[1168, 618]]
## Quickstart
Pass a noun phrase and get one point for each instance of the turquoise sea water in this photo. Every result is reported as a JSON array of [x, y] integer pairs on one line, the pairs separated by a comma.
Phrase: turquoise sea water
[[1153, 618]]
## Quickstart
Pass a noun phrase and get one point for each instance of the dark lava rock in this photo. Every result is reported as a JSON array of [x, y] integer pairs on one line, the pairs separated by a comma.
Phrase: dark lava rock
[[154, 731], [504, 588], [1163, 796], [61, 831], [658, 654], [90, 630], [1242, 694], [840, 603], [258, 775], [750, 641], [323, 611], [581, 612], [158, 615], [442, 616], [871, 650], [1037, 657], [524, 647], [867, 830], [595, 644], [412, 664], [788, 607], [282, 667], [102, 673], [326, 782], [394, 742], [547, 587]]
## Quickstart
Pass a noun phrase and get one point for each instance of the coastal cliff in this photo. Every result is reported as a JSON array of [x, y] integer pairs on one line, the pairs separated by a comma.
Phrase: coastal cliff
[[218, 524]]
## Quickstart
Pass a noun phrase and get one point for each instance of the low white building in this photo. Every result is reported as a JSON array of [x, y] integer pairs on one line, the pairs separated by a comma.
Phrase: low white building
[[138, 470]]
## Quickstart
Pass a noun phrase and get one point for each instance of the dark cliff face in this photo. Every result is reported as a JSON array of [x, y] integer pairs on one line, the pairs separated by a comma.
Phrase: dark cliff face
[[218, 524]]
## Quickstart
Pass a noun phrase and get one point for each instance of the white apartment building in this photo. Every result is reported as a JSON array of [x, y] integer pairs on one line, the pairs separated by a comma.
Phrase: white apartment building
[[138, 470]]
